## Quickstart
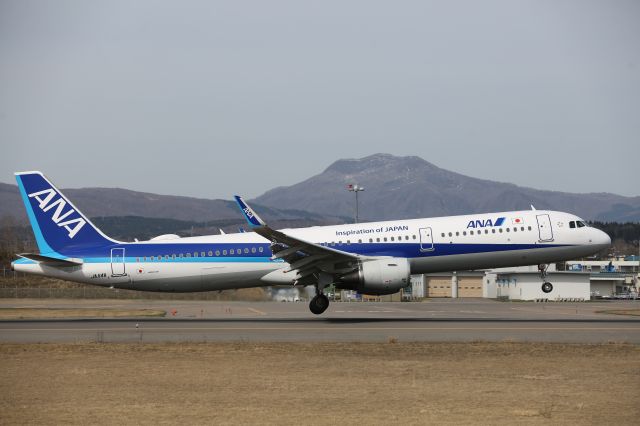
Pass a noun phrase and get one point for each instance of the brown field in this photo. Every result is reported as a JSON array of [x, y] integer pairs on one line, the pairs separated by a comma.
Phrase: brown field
[[39, 313], [341, 383]]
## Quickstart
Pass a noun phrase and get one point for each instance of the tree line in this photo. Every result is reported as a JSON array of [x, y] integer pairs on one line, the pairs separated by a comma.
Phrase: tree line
[[16, 237]]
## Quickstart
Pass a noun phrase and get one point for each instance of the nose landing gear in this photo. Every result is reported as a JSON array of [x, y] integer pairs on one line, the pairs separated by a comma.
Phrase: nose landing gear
[[547, 287]]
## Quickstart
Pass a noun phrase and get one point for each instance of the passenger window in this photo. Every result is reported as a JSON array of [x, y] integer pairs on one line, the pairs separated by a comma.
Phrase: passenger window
[[457, 234], [246, 251], [493, 231], [522, 228], [232, 251], [253, 249], [181, 255], [370, 240], [202, 254], [515, 229], [414, 237], [450, 234], [340, 242], [348, 241], [500, 230], [188, 254], [442, 235], [508, 230], [392, 239], [137, 259], [260, 249], [144, 259], [359, 241], [195, 254], [217, 252], [153, 258], [210, 253], [464, 233], [385, 239], [377, 240], [166, 257], [529, 228], [224, 252], [406, 237], [572, 224], [470, 232]]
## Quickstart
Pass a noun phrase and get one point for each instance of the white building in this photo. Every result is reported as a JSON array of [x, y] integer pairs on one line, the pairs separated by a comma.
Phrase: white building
[[528, 286]]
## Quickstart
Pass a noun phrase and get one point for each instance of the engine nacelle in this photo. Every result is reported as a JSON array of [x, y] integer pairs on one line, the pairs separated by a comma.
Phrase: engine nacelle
[[384, 276]]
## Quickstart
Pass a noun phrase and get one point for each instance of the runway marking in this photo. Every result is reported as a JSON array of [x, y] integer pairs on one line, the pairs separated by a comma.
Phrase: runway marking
[[257, 311], [555, 311], [328, 328]]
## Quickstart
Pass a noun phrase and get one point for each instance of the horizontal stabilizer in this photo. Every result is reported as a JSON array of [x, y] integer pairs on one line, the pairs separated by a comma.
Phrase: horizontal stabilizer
[[51, 261]]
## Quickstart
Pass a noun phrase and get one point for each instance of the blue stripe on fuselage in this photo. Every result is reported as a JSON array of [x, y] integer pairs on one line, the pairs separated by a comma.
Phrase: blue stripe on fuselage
[[136, 252]]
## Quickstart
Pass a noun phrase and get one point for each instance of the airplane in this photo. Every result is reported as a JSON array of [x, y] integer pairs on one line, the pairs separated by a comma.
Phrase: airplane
[[373, 258]]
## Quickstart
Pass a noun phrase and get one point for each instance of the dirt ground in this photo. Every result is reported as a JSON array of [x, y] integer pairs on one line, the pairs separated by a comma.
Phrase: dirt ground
[[39, 313], [341, 383]]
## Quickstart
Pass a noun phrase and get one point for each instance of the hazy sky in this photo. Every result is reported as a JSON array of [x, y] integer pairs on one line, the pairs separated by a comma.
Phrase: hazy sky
[[213, 98]]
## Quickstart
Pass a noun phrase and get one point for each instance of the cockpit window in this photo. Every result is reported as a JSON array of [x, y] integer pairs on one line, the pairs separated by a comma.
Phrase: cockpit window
[[572, 224], [580, 224]]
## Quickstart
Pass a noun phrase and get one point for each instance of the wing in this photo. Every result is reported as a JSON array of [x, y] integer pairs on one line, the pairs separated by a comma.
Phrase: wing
[[308, 260]]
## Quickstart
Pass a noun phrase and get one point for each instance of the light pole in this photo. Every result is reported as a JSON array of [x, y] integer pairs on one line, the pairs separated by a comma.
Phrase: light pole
[[354, 187]]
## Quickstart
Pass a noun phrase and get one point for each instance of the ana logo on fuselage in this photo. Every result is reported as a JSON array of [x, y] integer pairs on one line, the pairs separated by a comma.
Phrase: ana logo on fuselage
[[484, 223], [46, 203]]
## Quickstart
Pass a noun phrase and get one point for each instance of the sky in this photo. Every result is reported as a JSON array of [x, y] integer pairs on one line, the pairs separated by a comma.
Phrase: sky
[[215, 98]]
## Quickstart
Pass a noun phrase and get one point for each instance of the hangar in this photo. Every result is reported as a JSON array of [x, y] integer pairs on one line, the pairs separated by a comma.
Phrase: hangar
[[456, 284]]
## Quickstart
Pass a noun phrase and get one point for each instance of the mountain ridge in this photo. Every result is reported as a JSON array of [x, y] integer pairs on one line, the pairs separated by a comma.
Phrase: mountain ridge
[[395, 181], [395, 188]]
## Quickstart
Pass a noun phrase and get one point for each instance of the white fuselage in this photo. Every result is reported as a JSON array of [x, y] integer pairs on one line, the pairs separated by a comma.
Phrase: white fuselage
[[227, 261]]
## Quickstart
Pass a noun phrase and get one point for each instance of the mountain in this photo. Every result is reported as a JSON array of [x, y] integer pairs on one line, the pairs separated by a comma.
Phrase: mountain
[[396, 188], [410, 187], [106, 202]]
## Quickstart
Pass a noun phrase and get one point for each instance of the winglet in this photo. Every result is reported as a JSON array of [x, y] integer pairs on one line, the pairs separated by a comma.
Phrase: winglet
[[252, 218]]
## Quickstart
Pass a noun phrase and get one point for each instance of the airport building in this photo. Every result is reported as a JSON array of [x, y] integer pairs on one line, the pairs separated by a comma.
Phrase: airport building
[[567, 286], [617, 276], [581, 280]]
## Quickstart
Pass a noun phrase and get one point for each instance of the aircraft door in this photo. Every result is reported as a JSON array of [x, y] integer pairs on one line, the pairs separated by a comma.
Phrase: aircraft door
[[117, 262], [544, 227], [426, 239]]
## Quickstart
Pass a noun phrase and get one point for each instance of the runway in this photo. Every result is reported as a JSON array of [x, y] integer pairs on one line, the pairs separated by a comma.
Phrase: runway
[[462, 320]]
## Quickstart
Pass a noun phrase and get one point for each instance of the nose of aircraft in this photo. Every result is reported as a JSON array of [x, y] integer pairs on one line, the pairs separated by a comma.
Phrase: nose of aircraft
[[600, 238]]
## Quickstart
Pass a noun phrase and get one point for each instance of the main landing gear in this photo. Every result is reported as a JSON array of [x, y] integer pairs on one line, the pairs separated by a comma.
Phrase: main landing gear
[[547, 287], [319, 304]]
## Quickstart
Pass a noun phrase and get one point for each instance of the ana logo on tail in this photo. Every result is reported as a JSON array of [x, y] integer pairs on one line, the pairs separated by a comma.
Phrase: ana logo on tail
[[46, 200]]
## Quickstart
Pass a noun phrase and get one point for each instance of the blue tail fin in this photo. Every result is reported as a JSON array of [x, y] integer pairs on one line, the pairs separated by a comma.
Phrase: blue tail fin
[[59, 227]]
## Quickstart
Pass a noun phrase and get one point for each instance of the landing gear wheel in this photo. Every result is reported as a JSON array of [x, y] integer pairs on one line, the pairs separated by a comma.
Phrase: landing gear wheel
[[547, 287], [319, 304]]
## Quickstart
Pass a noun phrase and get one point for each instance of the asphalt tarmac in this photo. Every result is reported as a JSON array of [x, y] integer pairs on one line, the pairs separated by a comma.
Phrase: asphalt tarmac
[[461, 320]]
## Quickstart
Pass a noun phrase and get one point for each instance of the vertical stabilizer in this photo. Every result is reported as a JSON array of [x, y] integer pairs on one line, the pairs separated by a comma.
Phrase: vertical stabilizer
[[61, 230]]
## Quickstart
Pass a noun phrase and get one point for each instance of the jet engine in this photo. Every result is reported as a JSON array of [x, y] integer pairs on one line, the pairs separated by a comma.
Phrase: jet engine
[[383, 276]]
